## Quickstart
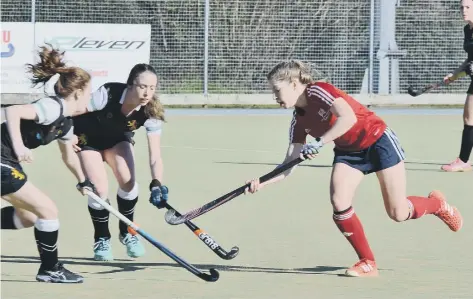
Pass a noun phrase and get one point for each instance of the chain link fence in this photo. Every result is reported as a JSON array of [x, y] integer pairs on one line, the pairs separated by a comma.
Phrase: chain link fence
[[339, 38]]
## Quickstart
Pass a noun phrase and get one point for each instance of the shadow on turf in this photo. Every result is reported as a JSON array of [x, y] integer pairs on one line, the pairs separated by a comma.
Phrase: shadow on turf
[[425, 163], [274, 164], [130, 266], [329, 166]]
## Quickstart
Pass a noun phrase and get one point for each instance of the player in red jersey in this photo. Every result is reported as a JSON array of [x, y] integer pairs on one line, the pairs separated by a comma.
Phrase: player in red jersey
[[363, 145]]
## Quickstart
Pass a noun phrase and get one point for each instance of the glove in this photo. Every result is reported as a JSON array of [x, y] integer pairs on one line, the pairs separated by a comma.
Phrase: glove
[[312, 148], [85, 185], [159, 194]]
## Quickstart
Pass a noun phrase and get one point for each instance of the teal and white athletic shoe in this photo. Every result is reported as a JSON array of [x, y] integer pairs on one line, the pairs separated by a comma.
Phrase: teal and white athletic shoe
[[134, 247], [103, 250]]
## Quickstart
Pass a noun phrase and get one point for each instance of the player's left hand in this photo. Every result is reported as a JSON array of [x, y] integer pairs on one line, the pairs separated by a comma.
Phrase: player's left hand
[[311, 150], [159, 195]]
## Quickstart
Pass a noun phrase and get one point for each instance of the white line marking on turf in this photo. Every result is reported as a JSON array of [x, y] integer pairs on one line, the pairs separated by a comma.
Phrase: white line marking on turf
[[278, 152], [218, 149]]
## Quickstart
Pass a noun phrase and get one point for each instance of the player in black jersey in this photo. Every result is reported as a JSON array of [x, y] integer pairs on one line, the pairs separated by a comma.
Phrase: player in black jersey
[[32, 125], [106, 133], [462, 163]]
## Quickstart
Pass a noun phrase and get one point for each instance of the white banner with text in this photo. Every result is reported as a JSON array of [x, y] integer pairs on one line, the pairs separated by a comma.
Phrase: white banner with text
[[106, 51]]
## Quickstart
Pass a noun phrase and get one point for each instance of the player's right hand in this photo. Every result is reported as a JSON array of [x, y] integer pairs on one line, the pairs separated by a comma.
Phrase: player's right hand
[[311, 150], [23, 153], [255, 186], [448, 78], [86, 185], [74, 142]]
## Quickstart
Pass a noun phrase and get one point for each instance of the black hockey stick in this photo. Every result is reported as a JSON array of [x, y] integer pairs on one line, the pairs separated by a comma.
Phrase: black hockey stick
[[171, 216], [134, 229], [202, 235], [417, 92]]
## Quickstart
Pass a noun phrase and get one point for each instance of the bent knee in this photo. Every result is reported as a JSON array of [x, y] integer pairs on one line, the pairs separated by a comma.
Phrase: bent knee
[[26, 219], [340, 202], [129, 186], [468, 120], [397, 214], [48, 211], [128, 191], [468, 112], [101, 190]]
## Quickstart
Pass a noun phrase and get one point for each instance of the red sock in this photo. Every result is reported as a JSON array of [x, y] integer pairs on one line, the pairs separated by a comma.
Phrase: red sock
[[420, 206], [351, 228]]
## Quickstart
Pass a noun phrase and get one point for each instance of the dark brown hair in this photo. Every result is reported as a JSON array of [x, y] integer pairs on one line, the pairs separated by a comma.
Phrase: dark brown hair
[[51, 63]]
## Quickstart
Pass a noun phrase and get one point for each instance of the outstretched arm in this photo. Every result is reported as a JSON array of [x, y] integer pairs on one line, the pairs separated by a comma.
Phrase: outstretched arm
[[293, 152], [459, 72], [70, 158], [155, 159]]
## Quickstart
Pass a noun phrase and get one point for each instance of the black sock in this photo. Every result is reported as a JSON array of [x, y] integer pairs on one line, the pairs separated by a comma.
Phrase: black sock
[[46, 241], [467, 143], [7, 218], [100, 221], [127, 208]]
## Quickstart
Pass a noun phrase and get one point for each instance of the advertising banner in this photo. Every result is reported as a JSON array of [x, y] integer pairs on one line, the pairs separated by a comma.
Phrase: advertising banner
[[16, 50], [106, 51]]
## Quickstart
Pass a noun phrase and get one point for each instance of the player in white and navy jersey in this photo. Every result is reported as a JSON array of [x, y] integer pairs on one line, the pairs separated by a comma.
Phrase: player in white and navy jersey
[[38, 124]]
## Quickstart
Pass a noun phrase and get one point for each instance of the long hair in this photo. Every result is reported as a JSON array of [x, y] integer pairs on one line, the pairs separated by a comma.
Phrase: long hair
[[154, 108], [51, 63]]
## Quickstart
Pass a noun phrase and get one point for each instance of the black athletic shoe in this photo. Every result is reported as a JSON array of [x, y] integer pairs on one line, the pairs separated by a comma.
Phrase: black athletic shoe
[[58, 274]]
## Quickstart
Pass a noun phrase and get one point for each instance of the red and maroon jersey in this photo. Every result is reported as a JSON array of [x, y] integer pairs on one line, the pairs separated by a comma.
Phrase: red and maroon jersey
[[316, 118]]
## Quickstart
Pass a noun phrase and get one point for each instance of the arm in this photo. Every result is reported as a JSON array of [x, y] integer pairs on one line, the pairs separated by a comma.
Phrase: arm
[[159, 192], [71, 159], [13, 115], [459, 72], [346, 118], [155, 159], [293, 152]]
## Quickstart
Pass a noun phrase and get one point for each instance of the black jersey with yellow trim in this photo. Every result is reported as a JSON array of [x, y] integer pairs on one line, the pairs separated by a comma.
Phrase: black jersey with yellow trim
[[105, 119]]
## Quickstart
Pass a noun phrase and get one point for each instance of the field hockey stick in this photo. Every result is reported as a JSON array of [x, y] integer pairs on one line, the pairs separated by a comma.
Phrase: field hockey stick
[[134, 229], [208, 240], [417, 92], [173, 218]]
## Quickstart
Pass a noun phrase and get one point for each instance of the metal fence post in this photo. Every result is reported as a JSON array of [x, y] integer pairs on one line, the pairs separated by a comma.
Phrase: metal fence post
[[206, 46], [33, 20], [371, 57], [33, 11]]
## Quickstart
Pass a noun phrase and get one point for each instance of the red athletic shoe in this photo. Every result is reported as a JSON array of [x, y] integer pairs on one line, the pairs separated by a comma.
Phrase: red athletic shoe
[[447, 213], [457, 166], [364, 268]]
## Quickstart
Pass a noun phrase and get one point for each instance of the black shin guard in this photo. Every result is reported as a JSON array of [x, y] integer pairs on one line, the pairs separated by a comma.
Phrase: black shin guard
[[100, 221], [467, 143], [46, 233]]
